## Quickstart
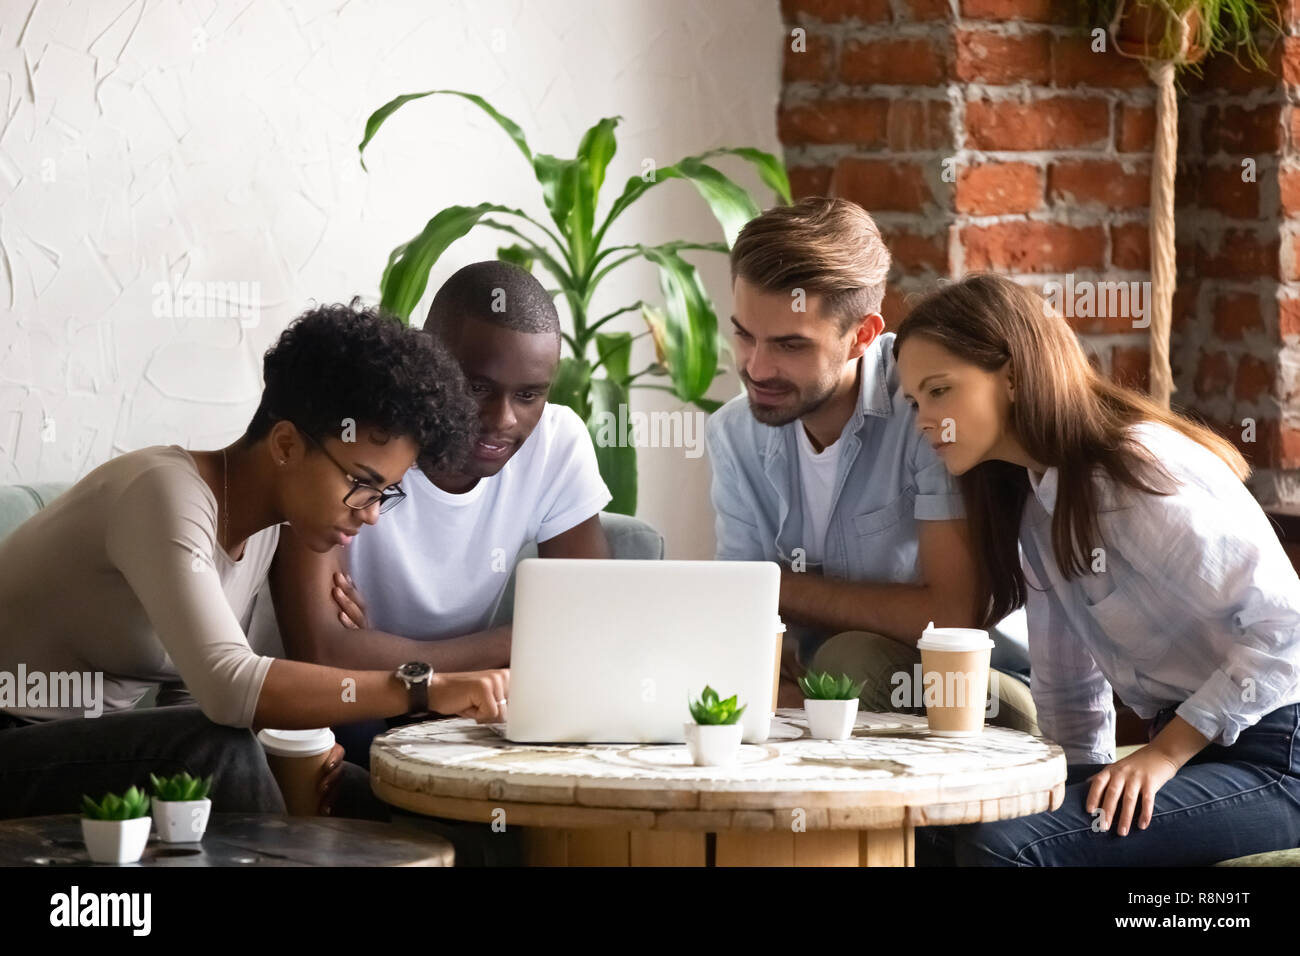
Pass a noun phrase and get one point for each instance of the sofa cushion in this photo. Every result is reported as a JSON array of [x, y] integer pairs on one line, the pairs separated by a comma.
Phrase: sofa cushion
[[20, 502], [628, 537]]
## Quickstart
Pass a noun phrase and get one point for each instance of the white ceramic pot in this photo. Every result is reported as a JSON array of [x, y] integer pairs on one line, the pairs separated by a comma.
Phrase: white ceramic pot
[[713, 745], [181, 821], [830, 719], [115, 841]]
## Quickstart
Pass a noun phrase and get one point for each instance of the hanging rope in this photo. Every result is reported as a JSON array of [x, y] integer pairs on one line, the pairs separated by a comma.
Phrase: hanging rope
[[1164, 278], [1164, 165]]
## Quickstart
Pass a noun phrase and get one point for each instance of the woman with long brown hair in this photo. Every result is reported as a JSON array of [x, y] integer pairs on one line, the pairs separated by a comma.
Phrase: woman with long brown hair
[[1146, 569]]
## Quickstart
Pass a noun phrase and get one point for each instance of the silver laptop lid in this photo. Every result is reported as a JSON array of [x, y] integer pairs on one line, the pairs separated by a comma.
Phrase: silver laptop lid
[[609, 651]]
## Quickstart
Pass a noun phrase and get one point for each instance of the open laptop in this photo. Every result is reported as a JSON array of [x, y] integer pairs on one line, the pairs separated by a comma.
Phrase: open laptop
[[610, 651]]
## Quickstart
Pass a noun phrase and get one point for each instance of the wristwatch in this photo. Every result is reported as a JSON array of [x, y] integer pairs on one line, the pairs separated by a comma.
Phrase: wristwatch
[[415, 676]]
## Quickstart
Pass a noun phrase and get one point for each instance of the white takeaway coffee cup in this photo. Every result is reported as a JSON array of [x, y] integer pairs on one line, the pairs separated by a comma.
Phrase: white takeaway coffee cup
[[296, 758], [955, 679]]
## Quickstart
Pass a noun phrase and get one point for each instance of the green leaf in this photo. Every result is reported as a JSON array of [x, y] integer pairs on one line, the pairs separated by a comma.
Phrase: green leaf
[[388, 267], [112, 805], [615, 453], [820, 685], [687, 329], [710, 710], [560, 180], [407, 275], [597, 149], [571, 188], [539, 253], [517, 256], [770, 169], [571, 385], [181, 786], [566, 189], [378, 117], [614, 352], [731, 205]]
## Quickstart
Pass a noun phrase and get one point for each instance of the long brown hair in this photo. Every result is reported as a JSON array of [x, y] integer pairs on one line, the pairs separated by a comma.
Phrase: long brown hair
[[1065, 415]]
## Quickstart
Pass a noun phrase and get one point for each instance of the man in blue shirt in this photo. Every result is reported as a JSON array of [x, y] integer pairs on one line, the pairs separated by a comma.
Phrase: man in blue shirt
[[820, 468]]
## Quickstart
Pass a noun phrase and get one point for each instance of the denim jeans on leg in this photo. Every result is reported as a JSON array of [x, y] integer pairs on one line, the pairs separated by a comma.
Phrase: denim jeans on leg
[[1223, 803]]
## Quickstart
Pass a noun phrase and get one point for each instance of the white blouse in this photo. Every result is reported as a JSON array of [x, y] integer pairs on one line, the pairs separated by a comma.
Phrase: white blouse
[[1189, 600]]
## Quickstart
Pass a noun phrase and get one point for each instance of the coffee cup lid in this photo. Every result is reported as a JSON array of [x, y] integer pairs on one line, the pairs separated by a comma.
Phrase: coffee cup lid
[[953, 639], [296, 743]]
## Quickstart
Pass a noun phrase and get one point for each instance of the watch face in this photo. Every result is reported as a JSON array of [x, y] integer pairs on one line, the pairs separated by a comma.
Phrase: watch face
[[415, 671]]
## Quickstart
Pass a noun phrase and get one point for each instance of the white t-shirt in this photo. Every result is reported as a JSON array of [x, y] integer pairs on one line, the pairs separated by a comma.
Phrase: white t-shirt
[[435, 566], [817, 484]]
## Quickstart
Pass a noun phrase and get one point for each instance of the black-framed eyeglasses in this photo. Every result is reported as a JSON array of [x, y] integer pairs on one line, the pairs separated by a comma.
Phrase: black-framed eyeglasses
[[362, 495]]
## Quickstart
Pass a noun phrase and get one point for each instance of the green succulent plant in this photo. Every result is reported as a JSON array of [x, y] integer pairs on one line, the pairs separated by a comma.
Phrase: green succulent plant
[[819, 685], [710, 709], [131, 805], [181, 787]]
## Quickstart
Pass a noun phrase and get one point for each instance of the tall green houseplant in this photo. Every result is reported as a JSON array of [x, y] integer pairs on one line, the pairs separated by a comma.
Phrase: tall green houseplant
[[574, 252]]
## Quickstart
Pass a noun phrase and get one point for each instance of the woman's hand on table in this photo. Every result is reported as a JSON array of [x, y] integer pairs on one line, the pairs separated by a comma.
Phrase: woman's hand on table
[[1136, 777], [477, 694]]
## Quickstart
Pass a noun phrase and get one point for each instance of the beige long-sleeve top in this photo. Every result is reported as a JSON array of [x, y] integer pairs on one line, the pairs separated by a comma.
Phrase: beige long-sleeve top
[[122, 574]]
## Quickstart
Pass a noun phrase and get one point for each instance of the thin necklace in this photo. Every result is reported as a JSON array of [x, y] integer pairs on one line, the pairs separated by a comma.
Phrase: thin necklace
[[225, 502]]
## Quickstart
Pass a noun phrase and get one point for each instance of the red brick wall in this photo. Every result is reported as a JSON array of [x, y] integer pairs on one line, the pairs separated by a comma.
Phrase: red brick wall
[[981, 134], [1238, 312]]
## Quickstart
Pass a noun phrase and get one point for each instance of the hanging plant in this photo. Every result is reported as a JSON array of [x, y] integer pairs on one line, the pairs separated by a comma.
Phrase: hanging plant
[[1171, 37], [1185, 32]]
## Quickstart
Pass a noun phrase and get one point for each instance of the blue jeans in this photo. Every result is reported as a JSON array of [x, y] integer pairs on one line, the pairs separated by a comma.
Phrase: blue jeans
[[1225, 802]]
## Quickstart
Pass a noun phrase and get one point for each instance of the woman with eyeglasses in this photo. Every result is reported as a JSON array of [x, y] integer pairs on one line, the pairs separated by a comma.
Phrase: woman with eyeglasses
[[143, 575]]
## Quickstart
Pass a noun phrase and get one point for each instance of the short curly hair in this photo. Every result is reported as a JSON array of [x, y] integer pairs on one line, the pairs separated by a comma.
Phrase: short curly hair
[[337, 362]]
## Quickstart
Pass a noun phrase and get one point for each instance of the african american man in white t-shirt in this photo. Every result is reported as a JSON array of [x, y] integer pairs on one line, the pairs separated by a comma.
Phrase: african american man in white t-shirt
[[424, 582]]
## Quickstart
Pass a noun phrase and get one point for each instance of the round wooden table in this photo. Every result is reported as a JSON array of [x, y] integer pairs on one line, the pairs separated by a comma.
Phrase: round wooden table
[[791, 801], [236, 839]]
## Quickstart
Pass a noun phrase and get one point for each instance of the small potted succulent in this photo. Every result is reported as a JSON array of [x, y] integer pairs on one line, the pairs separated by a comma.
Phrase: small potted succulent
[[713, 737], [116, 829], [181, 807], [830, 704]]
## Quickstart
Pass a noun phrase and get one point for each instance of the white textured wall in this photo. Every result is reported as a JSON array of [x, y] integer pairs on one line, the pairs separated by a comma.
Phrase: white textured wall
[[167, 141]]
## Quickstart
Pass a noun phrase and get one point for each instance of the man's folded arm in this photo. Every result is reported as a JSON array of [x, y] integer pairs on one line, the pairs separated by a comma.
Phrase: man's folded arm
[[947, 593], [302, 582]]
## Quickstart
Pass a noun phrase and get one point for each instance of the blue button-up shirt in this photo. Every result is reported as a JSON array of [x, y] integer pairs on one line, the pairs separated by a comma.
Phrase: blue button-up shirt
[[889, 478], [1189, 600]]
